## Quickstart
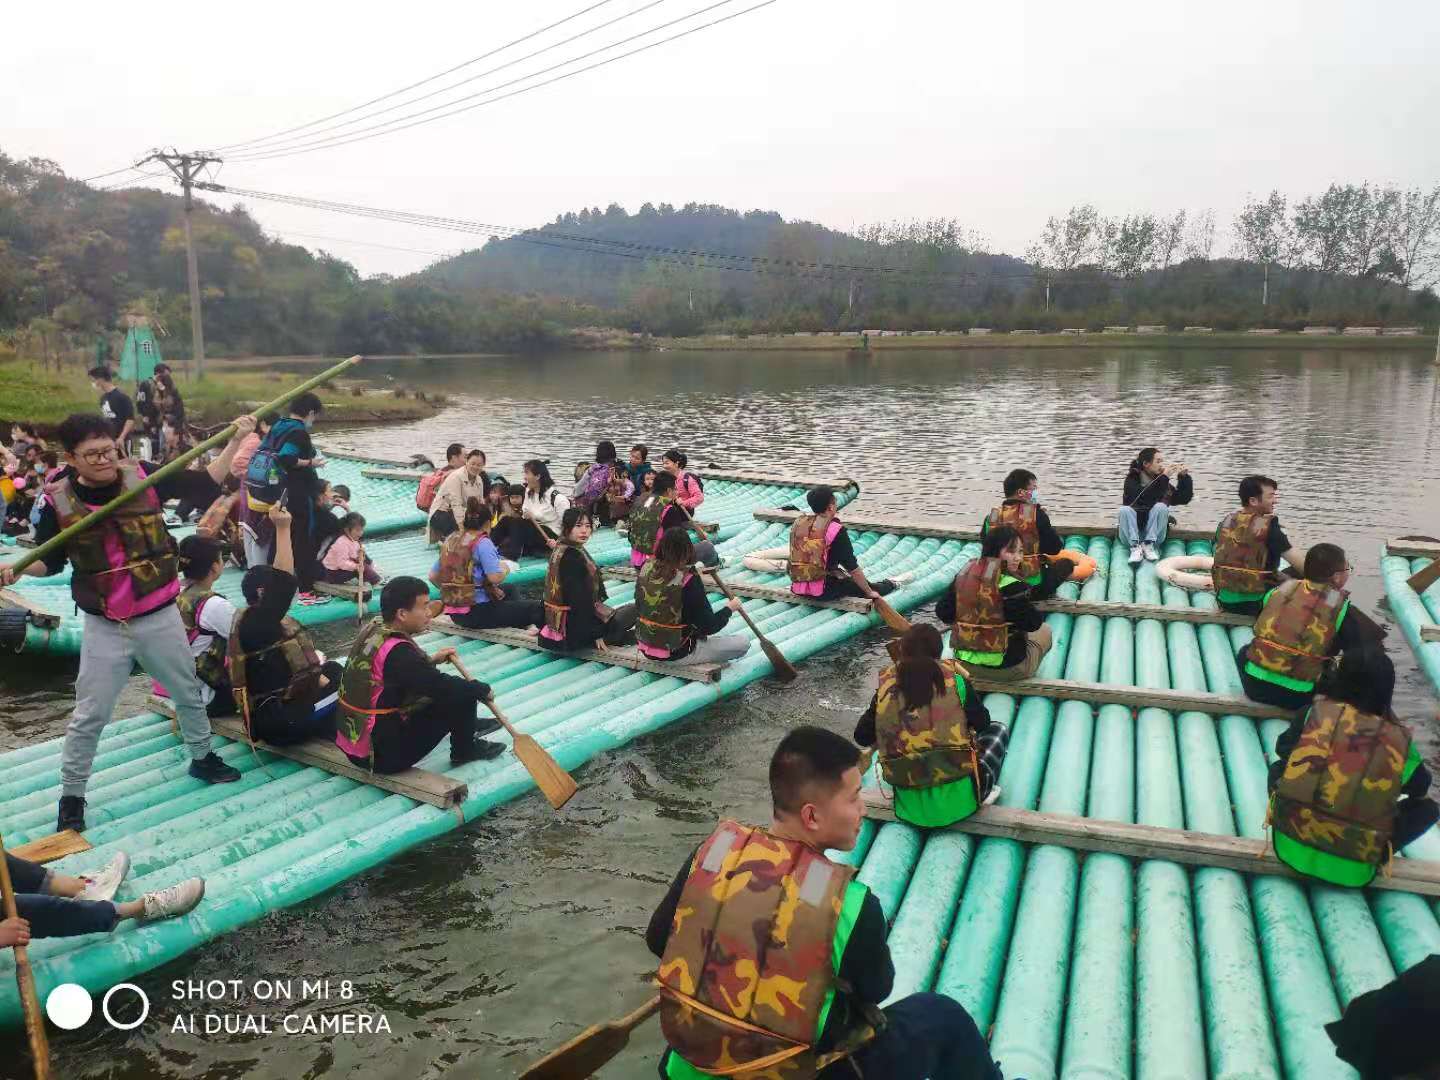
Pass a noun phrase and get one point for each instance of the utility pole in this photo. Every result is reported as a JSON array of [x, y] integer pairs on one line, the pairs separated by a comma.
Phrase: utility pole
[[186, 168]]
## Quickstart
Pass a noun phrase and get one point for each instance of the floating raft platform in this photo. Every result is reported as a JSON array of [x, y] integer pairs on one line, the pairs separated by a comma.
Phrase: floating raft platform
[[1080, 924], [288, 831], [1417, 614], [729, 505]]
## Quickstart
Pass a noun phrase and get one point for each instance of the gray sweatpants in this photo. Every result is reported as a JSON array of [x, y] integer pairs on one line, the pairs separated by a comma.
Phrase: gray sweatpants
[[108, 651], [720, 649]]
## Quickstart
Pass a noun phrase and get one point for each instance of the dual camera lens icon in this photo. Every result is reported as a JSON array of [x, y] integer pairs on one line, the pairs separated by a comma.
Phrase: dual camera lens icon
[[70, 1006]]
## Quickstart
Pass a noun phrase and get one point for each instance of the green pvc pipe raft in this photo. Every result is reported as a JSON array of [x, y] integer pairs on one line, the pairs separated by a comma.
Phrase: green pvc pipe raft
[[392, 504], [1413, 611], [1107, 968], [285, 832]]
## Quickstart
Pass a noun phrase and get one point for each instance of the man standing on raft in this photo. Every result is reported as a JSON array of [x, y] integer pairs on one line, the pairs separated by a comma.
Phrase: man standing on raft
[[805, 936], [125, 580]]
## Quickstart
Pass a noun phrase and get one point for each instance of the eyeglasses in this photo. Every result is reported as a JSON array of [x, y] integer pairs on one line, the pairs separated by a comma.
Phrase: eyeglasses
[[99, 457]]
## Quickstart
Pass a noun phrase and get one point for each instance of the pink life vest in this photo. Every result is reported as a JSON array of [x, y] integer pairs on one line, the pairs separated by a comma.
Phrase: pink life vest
[[817, 588], [360, 747]]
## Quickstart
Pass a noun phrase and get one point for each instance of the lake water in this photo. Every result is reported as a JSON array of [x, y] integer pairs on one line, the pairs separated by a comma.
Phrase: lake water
[[493, 943]]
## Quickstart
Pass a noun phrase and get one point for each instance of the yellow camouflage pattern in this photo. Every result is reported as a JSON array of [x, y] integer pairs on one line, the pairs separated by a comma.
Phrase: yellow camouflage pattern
[[1242, 553], [923, 748], [1023, 518], [807, 548], [1295, 629], [979, 624]]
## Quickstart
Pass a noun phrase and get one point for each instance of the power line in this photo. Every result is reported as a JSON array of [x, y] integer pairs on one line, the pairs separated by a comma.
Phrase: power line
[[369, 243], [526, 89], [422, 82], [287, 144], [101, 176]]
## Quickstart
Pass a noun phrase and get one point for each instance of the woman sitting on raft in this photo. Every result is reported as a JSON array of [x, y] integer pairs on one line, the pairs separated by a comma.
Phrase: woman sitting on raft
[[471, 577], [996, 631], [924, 701], [208, 619], [541, 512], [576, 615], [689, 492], [655, 515], [605, 488], [1349, 786], [283, 686], [674, 621], [1149, 494]]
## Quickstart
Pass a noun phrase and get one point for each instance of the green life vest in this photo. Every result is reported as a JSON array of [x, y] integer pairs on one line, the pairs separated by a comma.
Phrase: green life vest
[[659, 603], [987, 659]]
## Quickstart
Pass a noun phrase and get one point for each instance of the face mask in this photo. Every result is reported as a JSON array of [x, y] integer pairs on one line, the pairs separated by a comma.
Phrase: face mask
[[1035, 495], [309, 422]]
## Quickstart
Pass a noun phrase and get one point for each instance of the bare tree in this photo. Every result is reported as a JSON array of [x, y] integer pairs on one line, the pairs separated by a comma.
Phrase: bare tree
[[1169, 238], [1200, 236], [1411, 236], [1263, 234]]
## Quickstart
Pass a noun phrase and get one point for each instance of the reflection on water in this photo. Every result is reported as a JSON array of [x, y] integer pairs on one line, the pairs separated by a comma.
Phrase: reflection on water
[[490, 944]]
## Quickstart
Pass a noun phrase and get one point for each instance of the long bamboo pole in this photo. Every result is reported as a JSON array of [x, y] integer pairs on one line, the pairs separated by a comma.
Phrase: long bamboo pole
[[165, 471], [29, 1000]]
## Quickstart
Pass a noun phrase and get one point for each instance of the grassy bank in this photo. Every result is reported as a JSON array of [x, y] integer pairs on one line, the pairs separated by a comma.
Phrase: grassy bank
[[47, 397], [816, 343]]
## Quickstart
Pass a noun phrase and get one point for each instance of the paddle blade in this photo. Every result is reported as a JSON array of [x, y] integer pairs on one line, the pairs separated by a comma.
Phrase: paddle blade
[[554, 782], [1424, 578], [784, 670], [591, 1050], [891, 617]]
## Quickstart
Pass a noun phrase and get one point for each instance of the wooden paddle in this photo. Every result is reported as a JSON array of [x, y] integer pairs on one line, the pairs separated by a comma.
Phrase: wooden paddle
[[29, 1000], [784, 670], [557, 785], [592, 1049], [360, 597], [1423, 578]]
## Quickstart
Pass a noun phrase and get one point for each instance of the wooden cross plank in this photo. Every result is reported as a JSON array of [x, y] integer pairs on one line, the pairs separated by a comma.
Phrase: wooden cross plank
[[39, 616], [348, 592], [1413, 549], [614, 656], [1429, 632], [759, 592], [394, 474], [1151, 842], [418, 784], [928, 527], [1109, 609], [52, 847], [758, 476], [1133, 697]]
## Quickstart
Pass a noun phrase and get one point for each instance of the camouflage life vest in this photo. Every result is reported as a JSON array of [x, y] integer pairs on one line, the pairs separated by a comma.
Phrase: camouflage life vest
[[645, 523], [615, 493], [210, 664], [659, 601], [1338, 793], [132, 544], [810, 540], [747, 970], [980, 624], [1295, 630], [296, 650], [212, 523], [926, 747], [362, 684], [457, 569], [557, 612], [1242, 553], [1024, 519]]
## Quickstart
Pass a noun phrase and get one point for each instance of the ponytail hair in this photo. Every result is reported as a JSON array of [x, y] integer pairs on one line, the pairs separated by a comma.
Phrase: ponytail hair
[[997, 540], [198, 556], [1143, 458], [675, 551], [477, 516], [918, 674]]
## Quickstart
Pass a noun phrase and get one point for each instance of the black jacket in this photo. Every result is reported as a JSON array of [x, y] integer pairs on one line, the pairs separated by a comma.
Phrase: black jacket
[[1019, 599], [1141, 493], [582, 627]]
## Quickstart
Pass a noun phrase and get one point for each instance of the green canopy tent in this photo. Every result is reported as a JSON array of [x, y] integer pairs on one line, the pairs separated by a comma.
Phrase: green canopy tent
[[140, 354]]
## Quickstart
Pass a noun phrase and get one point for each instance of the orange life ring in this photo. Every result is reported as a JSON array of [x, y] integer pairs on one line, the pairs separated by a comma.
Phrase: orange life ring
[[1084, 563]]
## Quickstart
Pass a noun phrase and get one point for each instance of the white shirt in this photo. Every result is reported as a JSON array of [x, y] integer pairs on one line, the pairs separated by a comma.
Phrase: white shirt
[[547, 509], [217, 616], [455, 490]]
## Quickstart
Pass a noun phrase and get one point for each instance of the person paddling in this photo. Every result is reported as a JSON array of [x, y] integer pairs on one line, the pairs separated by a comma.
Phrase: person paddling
[[471, 577], [1144, 517], [804, 923], [673, 618], [395, 704], [822, 558], [1249, 544], [125, 580], [1301, 624], [1349, 787], [1022, 511], [995, 628], [939, 748], [655, 514], [576, 615]]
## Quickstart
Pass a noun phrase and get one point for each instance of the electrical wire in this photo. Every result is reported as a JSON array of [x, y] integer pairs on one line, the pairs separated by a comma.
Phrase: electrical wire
[[402, 126], [293, 142], [422, 82], [368, 243], [101, 176]]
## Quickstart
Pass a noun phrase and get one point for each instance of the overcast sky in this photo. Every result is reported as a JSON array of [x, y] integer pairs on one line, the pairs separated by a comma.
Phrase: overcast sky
[[839, 112]]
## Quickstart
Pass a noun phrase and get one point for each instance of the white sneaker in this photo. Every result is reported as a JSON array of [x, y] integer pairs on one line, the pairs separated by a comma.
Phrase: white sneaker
[[902, 579], [105, 884], [1150, 553], [992, 797], [179, 899], [1137, 553]]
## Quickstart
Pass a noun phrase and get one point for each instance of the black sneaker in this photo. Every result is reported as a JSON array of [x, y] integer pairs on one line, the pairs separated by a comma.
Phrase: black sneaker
[[212, 770], [72, 813], [480, 750]]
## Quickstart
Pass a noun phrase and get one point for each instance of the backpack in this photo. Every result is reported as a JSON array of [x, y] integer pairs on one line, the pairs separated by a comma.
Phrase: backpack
[[265, 476], [429, 484]]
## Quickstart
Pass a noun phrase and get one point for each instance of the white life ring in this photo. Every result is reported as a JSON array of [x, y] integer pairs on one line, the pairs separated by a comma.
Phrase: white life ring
[[1187, 572]]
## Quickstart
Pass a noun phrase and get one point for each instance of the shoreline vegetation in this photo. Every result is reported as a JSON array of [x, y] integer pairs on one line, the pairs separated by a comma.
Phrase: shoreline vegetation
[[999, 339]]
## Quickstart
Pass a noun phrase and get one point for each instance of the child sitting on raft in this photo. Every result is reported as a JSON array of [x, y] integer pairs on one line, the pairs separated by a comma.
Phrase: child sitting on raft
[[342, 561]]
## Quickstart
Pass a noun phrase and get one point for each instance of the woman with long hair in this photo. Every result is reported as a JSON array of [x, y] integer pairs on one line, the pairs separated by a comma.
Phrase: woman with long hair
[[471, 576], [604, 488], [924, 701], [674, 621], [576, 615], [1149, 493]]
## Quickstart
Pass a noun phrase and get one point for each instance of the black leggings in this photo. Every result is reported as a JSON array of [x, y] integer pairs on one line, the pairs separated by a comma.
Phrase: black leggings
[[399, 745], [517, 537], [497, 613], [284, 723]]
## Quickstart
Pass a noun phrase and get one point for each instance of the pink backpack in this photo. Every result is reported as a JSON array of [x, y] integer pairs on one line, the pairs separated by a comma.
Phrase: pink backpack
[[429, 484]]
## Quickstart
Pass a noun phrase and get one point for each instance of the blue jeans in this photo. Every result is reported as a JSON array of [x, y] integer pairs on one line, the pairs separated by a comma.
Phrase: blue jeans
[[1128, 526], [928, 1035], [55, 916]]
